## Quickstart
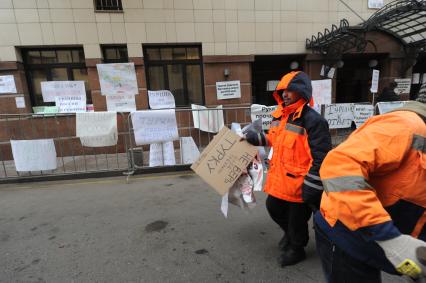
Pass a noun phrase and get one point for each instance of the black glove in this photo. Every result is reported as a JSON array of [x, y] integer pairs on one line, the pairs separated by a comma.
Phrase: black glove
[[254, 138]]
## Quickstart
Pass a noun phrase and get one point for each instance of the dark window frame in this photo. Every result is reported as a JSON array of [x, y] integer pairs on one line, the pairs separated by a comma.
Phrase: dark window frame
[[185, 62], [108, 6], [107, 60], [47, 67]]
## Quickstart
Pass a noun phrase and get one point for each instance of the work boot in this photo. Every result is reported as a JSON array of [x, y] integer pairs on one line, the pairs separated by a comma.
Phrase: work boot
[[284, 243], [292, 256]]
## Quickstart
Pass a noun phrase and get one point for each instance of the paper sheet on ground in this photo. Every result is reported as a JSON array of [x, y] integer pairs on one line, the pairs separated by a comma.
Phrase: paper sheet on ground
[[207, 120], [189, 150], [34, 155], [52, 89], [97, 129], [154, 126], [263, 112], [321, 93], [117, 78], [162, 154], [161, 99], [121, 102], [7, 84]]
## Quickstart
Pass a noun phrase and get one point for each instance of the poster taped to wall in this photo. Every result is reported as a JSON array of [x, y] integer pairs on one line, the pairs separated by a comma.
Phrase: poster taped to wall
[[121, 102], [117, 78], [161, 99], [7, 84], [52, 89], [20, 102], [321, 93], [207, 120], [34, 155], [154, 126], [97, 129], [71, 103]]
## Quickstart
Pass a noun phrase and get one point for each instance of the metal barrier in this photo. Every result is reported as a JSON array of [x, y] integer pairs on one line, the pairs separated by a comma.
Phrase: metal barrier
[[124, 158]]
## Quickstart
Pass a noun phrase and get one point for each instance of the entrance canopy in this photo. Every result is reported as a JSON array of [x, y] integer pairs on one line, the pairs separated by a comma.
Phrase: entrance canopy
[[405, 20]]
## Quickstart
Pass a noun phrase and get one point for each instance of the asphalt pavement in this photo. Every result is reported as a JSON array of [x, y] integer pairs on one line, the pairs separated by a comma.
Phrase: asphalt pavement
[[157, 228]]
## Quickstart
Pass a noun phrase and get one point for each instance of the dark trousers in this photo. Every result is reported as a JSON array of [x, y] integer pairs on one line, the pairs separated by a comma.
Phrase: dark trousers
[[293, 218], [339, 267]]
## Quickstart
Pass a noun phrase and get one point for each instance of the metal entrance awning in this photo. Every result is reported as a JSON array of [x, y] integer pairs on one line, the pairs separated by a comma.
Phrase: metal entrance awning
[[404, 19]]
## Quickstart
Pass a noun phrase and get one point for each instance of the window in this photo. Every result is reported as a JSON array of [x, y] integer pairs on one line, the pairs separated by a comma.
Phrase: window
[[115, 53], [62, 64], [177, 68], [108, 5]]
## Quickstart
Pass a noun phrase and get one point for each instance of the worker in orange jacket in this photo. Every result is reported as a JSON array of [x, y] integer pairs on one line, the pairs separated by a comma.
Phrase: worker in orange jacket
[[372, 215], [300, 140]]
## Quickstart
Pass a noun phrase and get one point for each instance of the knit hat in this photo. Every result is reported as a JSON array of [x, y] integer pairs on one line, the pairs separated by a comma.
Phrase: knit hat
[[421, 97]]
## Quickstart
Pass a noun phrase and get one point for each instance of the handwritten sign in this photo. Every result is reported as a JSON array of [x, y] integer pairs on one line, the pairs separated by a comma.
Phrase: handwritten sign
[[162, 154], [34, 155], [385, 107], [264, 113], [97, 129], [207, 120], [228, 89], [339, 116], [71, 103], [52, 89], [403, 86], [154, 126], [161, 99], [224, 160], [321, 92], [117, 78], [7, 84], [361, 112], [189, 150], [375, 81], [121, 102]]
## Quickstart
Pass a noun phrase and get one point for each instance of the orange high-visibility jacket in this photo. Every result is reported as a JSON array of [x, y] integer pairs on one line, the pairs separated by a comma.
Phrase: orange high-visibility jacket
[[376, 179]]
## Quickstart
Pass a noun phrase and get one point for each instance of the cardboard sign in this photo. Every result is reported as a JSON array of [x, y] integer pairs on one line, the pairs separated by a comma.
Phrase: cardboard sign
[[121, 103], [71, 103], [117, 78], [223, 160], [161, 99], [154, 126], [7, 84], [34, 155], [321, 92], [52, 89], [375, 81], [403, 87], [339, 116], [228, 90], [361, 113], [264, 113]]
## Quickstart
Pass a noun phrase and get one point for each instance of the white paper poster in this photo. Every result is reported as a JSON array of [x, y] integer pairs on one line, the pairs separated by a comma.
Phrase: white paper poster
[[403, 87], [117, 78], [162, 154], [20, 102], [189, 150], [339, 116], [375, 81], [224, 205], [385, 107], [97, 129], [228, 89], [71, 103], [121, 102], [52, 89], [207, 120], [263, 112], [331, 73], [375, 4], [416, 78], [34, 155], [154, 126], [7, 84], [161, 99], [271, 85], [321, 92], [361, 113], [322, 72]]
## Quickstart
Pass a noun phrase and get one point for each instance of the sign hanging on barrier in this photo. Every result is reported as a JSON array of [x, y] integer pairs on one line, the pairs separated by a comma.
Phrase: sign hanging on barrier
[[162, 154], [189, 150], [361, 113], [264, 113], [207, 120], [97, 129], [339, 116], [34, 155], [121, 102], [154, 126], [228, 90]]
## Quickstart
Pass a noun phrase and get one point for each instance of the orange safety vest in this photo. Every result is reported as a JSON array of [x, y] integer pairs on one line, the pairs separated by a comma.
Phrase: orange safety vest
[[379, 174]]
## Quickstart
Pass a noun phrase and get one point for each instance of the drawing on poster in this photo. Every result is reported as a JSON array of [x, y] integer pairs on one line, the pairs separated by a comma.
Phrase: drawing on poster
[[117, 78]]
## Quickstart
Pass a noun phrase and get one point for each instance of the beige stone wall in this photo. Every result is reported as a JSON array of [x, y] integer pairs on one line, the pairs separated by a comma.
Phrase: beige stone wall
[[224, 27]]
